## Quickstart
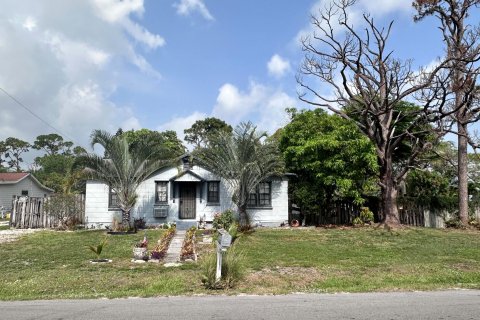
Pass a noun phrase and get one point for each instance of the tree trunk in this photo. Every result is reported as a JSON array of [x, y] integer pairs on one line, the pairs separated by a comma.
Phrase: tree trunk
[[462, 174], [388, 205], [126, 218], [244, 219]]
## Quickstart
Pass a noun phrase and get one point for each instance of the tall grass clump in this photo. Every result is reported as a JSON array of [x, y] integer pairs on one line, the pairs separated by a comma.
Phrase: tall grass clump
[[233, 270]]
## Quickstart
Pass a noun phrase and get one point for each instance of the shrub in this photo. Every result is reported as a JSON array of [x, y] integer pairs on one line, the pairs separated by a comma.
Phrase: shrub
[[66, 208], [223, 220], [232, 270], [357, 221], [366, 215], [139, 223], [453, 223]]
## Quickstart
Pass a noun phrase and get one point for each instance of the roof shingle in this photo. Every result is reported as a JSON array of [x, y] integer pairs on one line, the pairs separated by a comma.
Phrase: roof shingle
[[12, 176]]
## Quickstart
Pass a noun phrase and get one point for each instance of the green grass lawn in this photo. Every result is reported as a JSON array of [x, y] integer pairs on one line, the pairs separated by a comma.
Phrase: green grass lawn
[[360, 260], [48, 265]]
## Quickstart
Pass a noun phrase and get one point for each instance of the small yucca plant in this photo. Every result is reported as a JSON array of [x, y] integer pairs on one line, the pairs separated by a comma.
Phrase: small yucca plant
[[98, 248]]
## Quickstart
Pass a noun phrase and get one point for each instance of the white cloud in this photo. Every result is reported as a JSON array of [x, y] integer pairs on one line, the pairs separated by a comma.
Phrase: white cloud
[[376, 9], [178, 123], [261, 104], [187, 7], [277, 66], [30, 23], [118, 12], [67, 73]]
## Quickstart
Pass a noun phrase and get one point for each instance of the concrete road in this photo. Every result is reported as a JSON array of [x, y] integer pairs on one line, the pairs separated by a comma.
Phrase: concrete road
[[384, 306]]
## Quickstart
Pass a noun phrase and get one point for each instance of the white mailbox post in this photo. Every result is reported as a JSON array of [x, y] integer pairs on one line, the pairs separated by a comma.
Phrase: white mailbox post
[[224, 241]]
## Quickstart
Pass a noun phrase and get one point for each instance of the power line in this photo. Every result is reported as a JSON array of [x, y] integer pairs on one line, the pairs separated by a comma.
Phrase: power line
[[34, 114]]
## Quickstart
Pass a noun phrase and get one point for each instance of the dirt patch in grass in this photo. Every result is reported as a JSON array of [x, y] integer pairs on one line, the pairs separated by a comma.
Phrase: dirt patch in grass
[[9, 235], [281, 280]]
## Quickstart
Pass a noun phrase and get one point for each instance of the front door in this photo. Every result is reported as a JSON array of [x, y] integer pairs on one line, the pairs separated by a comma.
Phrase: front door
[[188, 196]]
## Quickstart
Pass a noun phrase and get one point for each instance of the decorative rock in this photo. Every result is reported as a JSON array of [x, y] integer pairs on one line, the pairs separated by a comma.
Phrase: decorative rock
[[207, 240], [138, 261], [172, 264], [100, 261]]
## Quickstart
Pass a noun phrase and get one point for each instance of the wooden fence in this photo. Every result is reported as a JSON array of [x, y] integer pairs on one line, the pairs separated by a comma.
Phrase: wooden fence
[[337, 213], [30, 212], [343, 213]]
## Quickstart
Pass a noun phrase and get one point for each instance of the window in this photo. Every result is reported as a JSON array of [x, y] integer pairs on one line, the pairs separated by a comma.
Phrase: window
[[161, 192], [262, 197], [24, 192], [113, 199], [213, 192]]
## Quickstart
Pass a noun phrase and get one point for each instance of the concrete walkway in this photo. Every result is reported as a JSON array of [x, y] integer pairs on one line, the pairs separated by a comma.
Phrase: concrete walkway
[[175, 248]]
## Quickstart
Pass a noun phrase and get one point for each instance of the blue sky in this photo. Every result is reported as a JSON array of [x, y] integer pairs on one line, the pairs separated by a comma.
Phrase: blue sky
[[162, 64]]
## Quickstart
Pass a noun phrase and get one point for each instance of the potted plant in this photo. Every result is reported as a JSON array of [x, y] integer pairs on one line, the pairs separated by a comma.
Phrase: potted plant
[[140, 249]]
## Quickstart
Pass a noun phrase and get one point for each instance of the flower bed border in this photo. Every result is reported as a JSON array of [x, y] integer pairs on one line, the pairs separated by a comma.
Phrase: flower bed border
[[188, 247]]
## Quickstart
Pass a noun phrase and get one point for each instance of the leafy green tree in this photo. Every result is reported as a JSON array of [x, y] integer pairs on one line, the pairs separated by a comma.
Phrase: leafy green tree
[[3, 149], [126, 167], [201, 132], [330, 157], [357, 64], [57, 171], [52, 144], [55, 168], [243, 159], [14, 148], [172, 146]]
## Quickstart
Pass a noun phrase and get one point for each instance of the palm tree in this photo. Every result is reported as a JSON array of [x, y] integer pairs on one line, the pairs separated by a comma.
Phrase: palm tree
[[243, 158], [124, 167]]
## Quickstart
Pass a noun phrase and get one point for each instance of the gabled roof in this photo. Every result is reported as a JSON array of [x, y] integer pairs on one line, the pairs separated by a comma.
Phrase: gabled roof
[[12, 177], [16, 177], [187, 175]]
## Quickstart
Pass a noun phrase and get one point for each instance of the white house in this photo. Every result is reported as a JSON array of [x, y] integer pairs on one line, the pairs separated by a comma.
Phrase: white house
[[20, 184], [185, 195]]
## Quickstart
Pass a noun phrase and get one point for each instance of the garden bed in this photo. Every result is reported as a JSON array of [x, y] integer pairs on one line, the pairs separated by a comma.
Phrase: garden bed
[[160, 250], [188, 248]]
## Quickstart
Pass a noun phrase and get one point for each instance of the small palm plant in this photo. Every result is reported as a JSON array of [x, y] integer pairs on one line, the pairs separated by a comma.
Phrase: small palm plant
[[98, 249]]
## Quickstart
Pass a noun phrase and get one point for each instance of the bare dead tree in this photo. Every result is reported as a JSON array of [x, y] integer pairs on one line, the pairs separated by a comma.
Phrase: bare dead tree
[[463, 49], [358, 66]]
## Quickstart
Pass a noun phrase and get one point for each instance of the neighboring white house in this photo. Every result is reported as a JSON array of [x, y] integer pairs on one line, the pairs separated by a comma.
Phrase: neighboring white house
[[185, 195], [20, 184]]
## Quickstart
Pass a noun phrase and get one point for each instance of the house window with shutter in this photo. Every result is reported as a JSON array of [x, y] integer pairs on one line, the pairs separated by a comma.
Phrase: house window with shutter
[[161, 192]]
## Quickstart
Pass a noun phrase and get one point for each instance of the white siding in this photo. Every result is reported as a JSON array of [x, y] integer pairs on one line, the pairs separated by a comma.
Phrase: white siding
[[279, 211], [7, 191], [97, 200], [96, 205]]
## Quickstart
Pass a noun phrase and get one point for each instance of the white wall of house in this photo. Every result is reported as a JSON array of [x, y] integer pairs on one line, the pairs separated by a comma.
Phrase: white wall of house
[[7, 191], [98, 213]]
